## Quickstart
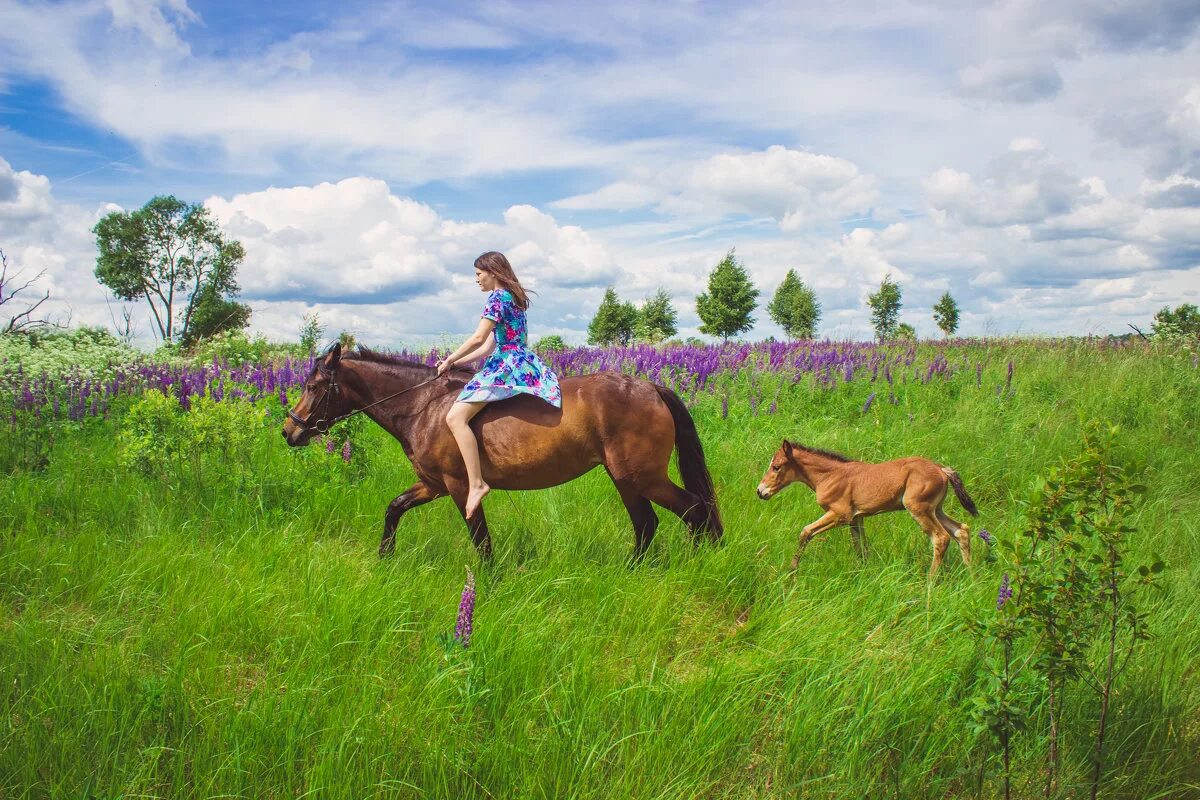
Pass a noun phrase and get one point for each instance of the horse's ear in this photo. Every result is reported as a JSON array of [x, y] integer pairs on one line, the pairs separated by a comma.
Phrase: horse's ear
[[334, 356], [788, 447]]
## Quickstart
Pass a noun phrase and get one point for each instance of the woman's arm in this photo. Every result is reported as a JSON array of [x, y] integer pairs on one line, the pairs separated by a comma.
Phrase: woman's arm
[[483, 351], [474, 342]]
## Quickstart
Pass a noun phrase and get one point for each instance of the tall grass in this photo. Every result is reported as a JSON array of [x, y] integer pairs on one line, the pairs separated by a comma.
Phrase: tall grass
[[243, 640]]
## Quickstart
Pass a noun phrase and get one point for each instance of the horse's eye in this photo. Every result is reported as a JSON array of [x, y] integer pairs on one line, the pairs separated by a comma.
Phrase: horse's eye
[[776, 468]]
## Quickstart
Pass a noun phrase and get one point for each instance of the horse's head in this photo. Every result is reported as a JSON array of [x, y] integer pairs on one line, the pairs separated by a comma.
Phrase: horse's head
[[322, 401], [782, 470]]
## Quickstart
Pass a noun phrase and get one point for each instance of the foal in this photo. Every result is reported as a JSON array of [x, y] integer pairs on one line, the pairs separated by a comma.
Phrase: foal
[[851, 490]]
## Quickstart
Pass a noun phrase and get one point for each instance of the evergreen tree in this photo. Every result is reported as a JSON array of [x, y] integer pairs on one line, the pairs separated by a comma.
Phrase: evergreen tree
[[657, 318], [945, 314], [614, 321], [795, 308], [725, 308], [906, 332], [885, 308]]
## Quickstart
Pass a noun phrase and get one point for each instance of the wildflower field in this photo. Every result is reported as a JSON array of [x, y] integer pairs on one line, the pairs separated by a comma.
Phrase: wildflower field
[[188, 608]]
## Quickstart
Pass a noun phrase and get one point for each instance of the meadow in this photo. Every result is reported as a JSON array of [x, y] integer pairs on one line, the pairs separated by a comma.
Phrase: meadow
[[188, 608]]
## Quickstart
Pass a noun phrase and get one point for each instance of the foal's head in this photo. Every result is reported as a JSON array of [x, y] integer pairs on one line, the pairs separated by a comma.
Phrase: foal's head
[[322, 401], [782, 470]]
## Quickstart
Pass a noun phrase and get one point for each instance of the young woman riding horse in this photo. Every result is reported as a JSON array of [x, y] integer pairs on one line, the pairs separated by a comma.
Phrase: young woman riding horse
[[625, 424]]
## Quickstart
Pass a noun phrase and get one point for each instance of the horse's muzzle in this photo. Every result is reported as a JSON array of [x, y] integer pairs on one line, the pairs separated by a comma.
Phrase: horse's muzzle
[[763, 492]]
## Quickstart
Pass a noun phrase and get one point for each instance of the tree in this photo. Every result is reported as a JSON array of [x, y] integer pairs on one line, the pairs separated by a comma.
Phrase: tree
[[614, 321], [311, 331], [906, 332], [21, 311], [552, 343], [173, 256], [657, 319], [213, 314], [945, 314], [725, 308], [885, 308], [795, 308], [1183, 322]]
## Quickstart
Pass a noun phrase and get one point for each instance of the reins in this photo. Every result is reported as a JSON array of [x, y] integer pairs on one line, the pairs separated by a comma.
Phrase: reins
[[334, 389]]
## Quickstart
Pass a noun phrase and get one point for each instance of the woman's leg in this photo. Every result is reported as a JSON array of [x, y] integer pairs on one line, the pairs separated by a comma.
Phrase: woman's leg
[[459, 419]]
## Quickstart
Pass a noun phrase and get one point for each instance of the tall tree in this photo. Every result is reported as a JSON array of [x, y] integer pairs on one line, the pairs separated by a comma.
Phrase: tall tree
[[795, 307], [614, 321], [725, 308], [657, 319], [945, 314], [885, 308], [173, 256]]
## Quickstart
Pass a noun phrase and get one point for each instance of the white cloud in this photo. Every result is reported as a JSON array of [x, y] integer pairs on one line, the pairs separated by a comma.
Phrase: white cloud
[[794, 187]]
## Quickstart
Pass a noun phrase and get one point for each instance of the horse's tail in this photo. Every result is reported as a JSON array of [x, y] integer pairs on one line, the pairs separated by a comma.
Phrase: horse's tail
[[692, 467], [960, 492]]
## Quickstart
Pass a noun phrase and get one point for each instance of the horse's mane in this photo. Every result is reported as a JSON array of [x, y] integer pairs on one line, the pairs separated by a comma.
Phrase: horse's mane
[[361, 353], [367, 355], [826, 453]]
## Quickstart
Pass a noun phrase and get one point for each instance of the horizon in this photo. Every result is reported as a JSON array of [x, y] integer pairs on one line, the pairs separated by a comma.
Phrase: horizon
[[1039, 162]]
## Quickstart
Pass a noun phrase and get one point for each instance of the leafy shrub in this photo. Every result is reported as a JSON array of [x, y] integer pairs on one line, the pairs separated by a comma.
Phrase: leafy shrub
[[550, 344], [233, 348], [207, 444], [83, 353]]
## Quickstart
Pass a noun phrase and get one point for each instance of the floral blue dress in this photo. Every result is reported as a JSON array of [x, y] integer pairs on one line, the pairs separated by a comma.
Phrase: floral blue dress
[[513, 368]]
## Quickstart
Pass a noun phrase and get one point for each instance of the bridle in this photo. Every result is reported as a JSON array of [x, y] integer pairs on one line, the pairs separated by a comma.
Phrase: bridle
[[323, 423]]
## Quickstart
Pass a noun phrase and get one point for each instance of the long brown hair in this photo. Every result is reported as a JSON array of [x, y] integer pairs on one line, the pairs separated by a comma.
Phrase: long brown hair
[[496, 264]]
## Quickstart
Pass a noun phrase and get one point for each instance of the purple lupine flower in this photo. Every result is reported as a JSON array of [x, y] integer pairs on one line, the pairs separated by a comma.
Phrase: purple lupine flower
[[346, 452], [330, 445], [867, 405], [978, 375], [725, 407], [1004, 594], [283, 397], [986, 536], [466, 612]]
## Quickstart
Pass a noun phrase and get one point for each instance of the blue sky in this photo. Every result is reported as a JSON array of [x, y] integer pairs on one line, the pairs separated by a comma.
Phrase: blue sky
[[1040, 161]]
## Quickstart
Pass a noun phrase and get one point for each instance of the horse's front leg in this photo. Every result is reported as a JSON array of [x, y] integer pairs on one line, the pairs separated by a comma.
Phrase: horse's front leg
[[830, 519], [416, 495], [476, 524]]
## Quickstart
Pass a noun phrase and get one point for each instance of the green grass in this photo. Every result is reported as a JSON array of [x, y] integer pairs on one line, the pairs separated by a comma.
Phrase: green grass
[[240, 638]]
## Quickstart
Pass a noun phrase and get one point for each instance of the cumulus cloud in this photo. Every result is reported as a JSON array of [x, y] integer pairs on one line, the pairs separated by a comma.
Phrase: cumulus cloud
[[794, 187]]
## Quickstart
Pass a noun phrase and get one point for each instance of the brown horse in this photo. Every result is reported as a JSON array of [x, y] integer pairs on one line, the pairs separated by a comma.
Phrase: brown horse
[[851, 490], [626, 424]]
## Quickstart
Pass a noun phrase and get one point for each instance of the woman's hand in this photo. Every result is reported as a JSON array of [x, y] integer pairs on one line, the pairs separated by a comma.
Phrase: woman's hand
[[444, 365]]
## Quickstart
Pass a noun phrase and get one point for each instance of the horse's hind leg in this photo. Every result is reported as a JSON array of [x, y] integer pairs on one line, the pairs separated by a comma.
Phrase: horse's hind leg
[[476, 524], [960, 531], [416, 495], [679, 502], [939, 539]]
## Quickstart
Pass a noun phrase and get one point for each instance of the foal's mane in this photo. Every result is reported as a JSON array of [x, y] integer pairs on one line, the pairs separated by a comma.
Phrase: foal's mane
[[819, 452]]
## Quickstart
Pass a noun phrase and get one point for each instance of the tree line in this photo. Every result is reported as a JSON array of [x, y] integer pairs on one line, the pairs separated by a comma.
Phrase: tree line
[[726, 309]]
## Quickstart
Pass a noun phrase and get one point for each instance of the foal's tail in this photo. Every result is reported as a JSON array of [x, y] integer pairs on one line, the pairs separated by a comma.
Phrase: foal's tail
[[692, 467], [960, 492]]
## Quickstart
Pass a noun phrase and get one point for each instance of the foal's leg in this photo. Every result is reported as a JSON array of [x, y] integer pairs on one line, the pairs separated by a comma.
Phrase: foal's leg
[[960, 531], [858, 535], [939, 539], [416, 495], [679, 502], [830, 519]]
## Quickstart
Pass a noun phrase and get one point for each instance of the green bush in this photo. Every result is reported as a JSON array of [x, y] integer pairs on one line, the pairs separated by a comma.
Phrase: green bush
[[207, 444], [83, 352]]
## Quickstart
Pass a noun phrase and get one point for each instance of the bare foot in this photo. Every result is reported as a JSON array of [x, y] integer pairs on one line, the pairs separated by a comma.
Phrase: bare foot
[[475, 498]]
